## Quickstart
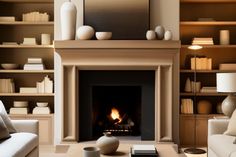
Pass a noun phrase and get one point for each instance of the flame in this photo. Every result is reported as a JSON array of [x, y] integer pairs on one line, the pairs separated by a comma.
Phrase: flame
[[115, 114]]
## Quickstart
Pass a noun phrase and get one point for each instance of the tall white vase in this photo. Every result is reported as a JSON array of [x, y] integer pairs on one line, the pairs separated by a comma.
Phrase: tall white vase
[[68, 21]]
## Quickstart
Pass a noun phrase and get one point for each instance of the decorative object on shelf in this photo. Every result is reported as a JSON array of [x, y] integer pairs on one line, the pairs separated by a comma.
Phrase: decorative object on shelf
[[85, 32], [195, 86], [19, 107], [168, 35], [45, 39], [7, 86], [151, 35], [9, 66], [108, 144], [103, 35], [41, 108], [10, 43], [160, 32], [226, 83], [224, 37], [91, 152], [46, 86], [201, 63], [68, 20], [219, 108], [29, 41], [202, 41], [227, 66], [208, 89], [187, 87], [35, 17], [204, 107], [34, 64], [186, 106]]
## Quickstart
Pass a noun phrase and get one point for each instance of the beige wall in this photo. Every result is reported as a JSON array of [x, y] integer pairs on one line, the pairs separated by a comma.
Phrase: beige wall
[[162, 12]]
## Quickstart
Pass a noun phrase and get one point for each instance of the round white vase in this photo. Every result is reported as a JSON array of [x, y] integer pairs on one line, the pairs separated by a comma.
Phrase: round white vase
[[68, 21], [108, 144], [160, 31], [168, 35], [85, 32], [151, 35]]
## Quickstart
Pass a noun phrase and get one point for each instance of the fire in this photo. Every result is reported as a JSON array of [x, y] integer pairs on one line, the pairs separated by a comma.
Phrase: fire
[[115, 114]]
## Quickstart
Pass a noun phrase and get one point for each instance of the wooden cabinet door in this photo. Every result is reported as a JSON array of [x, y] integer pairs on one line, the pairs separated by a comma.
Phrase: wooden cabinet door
[[201, 131], [187, 128]]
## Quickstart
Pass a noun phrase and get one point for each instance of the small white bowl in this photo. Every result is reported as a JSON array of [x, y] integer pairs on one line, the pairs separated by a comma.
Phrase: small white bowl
[[42, 104], [9, 66], [20, 104], [103, 35]]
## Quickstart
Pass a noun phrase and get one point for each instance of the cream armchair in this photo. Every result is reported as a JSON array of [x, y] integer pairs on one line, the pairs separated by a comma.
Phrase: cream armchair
[[24, 143], [220, 145]]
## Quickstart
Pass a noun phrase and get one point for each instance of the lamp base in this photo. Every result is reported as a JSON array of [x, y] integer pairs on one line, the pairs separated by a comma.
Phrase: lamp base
[[194, 151], [229, 105]]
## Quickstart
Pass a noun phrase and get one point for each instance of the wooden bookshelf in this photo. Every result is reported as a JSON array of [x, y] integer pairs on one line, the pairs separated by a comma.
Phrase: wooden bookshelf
[[27, 46], [27, 1], [207, 1], [208, 23], [27, 71], [27, 23], [212, 46], [27, 94], [206, 71], [203, 94]]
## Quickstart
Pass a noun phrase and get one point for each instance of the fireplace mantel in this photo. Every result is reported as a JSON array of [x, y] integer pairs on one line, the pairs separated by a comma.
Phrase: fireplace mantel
[[160, 56]]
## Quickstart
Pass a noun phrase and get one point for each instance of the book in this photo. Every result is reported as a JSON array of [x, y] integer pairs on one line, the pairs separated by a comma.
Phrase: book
[[28, 90], [34, 60], [9, 43], [227, 66], [143, 149], [7, 19], [34, 67], [16, 110], [29, 41], [132, 154]]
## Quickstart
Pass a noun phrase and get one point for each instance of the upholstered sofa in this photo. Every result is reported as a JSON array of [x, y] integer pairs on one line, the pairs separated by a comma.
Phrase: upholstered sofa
[[219, 144], [23, 143]]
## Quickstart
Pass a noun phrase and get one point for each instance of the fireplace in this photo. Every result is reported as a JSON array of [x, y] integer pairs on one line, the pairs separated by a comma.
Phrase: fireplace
[[128, 94], [75, 58]]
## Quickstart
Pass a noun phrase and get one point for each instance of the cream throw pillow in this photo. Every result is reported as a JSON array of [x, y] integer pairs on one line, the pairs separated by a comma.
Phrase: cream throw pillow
[[4, 133], [6, 119], [231, 130]]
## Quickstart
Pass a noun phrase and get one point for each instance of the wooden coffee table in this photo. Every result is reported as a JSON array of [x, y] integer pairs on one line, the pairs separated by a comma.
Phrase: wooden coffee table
[[164, 150]]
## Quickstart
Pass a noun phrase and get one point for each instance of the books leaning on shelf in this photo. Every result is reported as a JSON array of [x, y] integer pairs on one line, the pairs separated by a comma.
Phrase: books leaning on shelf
[[202, 41], [7, 19], [18, 110], [7, 86], [45, 86], [143, 151], [186, 106], [201, 63], [208, 90], [35, 17], [34, 64]]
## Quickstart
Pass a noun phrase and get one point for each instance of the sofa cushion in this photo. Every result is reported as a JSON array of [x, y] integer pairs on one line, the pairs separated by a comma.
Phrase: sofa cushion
[[235, 141], [19, 145], [6, 119], [222, 145], [231, 130], [4, 133]]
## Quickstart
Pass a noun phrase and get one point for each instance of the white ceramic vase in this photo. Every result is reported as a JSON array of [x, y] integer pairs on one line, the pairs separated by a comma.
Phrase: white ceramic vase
[[68, 21], [151, 35], [168, 35], [160, 31], [108, 144], [85, 32]]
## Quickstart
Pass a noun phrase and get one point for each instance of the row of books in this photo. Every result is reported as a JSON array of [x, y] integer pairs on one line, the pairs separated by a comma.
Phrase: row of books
[[208, 90], [35, 17], [186, 106], [7, 86], [201, 63], [24, 110]]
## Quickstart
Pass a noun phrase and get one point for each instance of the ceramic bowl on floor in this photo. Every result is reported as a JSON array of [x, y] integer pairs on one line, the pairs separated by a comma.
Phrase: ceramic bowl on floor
[[9, 66], [103, 35]]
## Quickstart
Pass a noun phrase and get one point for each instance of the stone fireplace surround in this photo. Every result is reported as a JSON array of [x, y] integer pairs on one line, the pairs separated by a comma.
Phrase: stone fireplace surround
[[160, 56]]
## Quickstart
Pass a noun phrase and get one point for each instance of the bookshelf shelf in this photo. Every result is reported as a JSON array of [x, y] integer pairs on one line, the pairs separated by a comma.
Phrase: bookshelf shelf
[[27, 46], [207, 1], [212, 46], [208, 23], [27, 1], [27, 23], [28, 94], [203, 94], [206, 71], [27, 71]]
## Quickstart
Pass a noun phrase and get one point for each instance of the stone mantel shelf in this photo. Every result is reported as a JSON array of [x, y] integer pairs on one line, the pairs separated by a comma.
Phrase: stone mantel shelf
[[116, 44]]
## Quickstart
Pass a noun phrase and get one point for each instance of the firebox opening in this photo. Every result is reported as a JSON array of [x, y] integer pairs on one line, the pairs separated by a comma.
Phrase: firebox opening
[[116, 109]]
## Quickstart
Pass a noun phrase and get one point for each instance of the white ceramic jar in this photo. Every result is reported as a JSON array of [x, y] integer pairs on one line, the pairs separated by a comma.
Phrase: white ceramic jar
[[160, 31], [151, 35], [85, 32], [108, 144], [68, 21]]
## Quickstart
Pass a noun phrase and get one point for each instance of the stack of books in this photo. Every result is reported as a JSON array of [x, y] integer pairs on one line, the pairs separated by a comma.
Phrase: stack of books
[[201, 63], [34, 64], [208, 90], [19, 110], [7, 86], [143, 151], [7, 18], [202, 41], [227, 66], [186, 106], [35, 17], [29, 41]]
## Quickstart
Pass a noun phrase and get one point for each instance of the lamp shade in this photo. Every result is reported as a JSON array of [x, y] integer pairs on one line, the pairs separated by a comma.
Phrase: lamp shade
[[226, 82]]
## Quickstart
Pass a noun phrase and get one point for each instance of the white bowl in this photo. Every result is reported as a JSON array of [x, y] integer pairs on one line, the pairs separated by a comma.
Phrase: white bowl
[[42, 104], [9, 66], [103, 35], [20, 103]]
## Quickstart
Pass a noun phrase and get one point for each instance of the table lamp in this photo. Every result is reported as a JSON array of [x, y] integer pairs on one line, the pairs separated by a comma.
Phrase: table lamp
[[226, 83]]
